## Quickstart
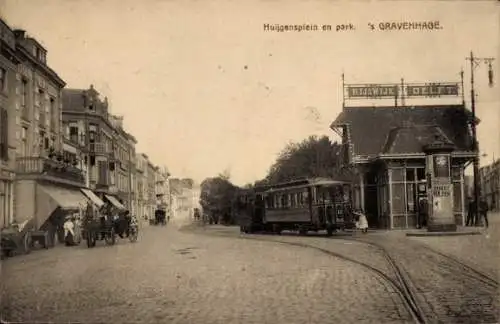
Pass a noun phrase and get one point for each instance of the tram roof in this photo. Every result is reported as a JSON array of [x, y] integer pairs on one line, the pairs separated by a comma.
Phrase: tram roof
[[307, 182]]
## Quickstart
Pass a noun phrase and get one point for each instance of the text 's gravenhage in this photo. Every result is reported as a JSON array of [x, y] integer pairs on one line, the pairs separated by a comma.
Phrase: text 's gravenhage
[[405, 25]]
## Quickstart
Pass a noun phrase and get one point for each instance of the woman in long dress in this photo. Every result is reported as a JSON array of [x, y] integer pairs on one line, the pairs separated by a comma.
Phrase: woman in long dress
[[77, 230], [69, 233], [362, 222]]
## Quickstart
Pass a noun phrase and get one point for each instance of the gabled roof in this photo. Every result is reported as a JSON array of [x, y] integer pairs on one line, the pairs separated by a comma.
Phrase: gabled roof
[[411, 139], [374, 130]]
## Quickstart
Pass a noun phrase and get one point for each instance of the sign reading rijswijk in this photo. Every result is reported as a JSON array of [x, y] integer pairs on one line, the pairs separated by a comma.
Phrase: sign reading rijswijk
[[372, 91]]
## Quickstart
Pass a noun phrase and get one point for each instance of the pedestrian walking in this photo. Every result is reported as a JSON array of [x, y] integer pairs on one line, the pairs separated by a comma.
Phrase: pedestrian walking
[[471, 212], [483, 211], [361, 221], [78, 229], [69, 233], [423, 212]]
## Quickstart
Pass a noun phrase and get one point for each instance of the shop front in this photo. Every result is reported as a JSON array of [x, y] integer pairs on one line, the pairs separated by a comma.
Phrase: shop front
[[390, 191]]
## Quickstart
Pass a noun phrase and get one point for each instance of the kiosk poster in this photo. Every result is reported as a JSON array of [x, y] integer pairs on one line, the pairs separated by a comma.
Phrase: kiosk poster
[[441, 165]]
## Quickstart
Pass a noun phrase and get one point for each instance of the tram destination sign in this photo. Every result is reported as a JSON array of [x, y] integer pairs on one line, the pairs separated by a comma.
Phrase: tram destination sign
[[432, 90], [409, 90], [372, 91]]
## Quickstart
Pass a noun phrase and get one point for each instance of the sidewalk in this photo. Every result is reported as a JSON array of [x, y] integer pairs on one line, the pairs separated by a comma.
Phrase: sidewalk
[[481, 251]]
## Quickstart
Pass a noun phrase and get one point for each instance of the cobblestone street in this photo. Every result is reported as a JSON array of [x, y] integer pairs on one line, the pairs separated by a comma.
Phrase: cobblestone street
[[446, 291], [180, 277]]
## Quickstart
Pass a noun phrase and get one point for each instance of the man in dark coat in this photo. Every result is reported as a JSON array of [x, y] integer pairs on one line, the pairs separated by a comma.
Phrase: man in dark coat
[[471, 213], [423, 212], [483, 211]]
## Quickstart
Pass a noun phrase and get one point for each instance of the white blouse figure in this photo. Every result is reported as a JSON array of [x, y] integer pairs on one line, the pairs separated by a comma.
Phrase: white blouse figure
[[362, 222]]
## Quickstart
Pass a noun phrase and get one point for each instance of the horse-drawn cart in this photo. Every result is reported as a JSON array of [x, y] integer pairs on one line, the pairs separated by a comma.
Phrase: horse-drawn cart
[[98, 228]]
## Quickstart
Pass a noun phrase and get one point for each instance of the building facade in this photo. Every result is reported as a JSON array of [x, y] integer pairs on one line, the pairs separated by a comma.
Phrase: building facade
[[383, 151], [106, 149], [47, 181], [141, 186], [151, 188], [9, 63], [490, 184], [163, 199]]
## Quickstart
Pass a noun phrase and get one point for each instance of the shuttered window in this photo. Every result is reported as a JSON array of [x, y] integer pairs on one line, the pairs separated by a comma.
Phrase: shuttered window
[[4, 130]]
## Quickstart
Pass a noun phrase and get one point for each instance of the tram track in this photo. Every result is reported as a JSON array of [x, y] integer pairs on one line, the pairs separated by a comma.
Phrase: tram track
[[435, 287], [451, 290], [399, 281]]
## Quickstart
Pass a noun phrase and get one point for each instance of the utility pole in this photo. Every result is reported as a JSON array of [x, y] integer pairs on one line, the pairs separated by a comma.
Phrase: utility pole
[[475, 62]]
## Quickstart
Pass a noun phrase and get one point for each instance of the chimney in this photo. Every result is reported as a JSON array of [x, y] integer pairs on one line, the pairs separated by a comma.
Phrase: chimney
[[19, 33]]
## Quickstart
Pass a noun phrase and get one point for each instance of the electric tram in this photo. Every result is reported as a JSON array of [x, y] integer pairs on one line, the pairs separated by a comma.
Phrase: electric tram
[[312, 204]]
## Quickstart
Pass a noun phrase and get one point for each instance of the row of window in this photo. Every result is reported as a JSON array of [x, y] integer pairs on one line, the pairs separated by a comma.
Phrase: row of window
[[3, 79], [48, 112], [299, 199], [4, 138]]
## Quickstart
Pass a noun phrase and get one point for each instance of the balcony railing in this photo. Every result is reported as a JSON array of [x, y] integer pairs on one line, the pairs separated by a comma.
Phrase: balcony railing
[[98, 148], [49, 167]]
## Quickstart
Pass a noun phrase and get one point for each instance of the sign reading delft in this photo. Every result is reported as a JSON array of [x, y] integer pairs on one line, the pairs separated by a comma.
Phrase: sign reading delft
[[411, 90]]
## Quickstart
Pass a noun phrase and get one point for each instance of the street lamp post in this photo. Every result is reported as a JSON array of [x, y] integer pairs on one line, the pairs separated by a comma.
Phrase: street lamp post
[[475, 62]]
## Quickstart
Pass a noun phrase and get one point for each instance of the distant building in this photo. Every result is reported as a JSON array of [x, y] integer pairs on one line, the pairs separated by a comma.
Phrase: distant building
[[151, 188], [490, 184], [185, 197], [163, 199]]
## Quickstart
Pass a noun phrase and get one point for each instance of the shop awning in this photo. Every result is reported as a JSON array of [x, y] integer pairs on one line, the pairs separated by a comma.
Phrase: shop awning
[[93, 197], [115, 202], [66, 199]]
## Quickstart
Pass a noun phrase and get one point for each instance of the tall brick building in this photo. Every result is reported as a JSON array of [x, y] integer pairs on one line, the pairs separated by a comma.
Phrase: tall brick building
[[108, 151]]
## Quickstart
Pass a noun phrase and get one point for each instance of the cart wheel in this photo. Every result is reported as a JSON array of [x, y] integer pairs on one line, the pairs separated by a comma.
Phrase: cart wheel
[[134, 233], [110, 237], [46, 240], [94, 239], [88, 238], [27, 242]]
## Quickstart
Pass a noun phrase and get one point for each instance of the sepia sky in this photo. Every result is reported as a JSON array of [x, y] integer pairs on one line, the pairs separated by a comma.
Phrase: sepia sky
[[204, 88]]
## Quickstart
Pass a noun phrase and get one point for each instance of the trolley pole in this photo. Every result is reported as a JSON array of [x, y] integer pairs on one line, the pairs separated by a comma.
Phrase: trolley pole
[[474, 62]]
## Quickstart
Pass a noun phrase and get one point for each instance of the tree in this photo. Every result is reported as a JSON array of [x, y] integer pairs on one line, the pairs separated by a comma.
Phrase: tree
[[216, 196], [313, 157]]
